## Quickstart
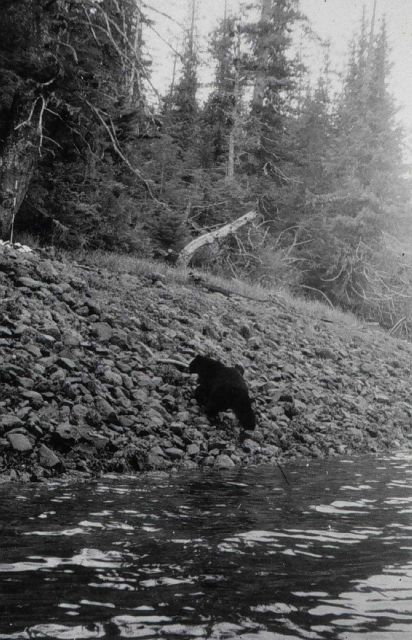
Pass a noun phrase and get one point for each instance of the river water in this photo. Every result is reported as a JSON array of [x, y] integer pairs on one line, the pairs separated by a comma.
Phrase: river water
[[224, 554]]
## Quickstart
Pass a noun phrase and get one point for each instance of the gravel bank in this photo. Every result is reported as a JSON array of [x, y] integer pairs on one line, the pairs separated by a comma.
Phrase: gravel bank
[[82, 389]]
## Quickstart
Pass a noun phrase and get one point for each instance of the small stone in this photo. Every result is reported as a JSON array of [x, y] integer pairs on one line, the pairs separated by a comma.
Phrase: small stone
[[189, 464], [251, 446], [157, 462], [94, 418], [47, 272], [19, 442], [67, 433], [27, 383], [193, 450], [93, 307], [45, 339], [66, 363], [177, 428], [255, 343], [156, 450], [71, 338], [105, 409], [35, 351], [276, 412], [119, 338], [102, 331], [35, 398], [99, 441], [174, 453], [47, 457], [112, 377], [25, 281], [381, 397], [140, 396], [79, 411], [224, 462], [20, 330], [52, 330], [9, 422], [270, 450]]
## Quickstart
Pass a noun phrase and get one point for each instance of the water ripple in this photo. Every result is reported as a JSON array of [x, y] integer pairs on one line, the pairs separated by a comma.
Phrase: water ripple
[[229, 554]]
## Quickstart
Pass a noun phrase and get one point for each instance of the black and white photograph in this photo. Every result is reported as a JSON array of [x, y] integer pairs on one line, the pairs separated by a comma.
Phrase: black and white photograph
[[206, 319]]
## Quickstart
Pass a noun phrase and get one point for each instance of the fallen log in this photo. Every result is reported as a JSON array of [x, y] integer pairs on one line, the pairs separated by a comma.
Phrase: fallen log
[[208, 238]]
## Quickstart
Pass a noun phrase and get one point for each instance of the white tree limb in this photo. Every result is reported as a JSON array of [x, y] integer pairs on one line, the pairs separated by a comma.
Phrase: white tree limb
[[209, 238]]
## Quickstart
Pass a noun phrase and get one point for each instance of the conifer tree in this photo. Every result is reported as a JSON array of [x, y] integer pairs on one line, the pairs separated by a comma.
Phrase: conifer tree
[[181, 107], [366, 184], [273, 73], [218, 113], [314, 133]]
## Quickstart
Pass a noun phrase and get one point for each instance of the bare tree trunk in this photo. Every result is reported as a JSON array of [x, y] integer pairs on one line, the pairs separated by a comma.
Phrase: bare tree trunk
[[262, 54], [370, 46], [133, 87], [230, 174], [231, 156], [192, 30], [17, 159], [20, 146]]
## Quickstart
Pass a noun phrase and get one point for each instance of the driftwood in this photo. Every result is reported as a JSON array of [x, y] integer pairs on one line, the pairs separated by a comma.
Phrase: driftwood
[[208, 238]]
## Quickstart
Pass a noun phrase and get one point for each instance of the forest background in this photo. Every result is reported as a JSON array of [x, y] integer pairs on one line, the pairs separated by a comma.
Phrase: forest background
[[93, 156]]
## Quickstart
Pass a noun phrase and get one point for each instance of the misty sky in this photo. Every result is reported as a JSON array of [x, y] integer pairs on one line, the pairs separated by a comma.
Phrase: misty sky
[[336, 20]]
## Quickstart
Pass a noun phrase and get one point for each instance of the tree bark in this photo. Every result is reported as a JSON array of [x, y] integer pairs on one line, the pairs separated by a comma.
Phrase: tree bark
[[234, 131], [209, 238], [21, 141], [17, 160]]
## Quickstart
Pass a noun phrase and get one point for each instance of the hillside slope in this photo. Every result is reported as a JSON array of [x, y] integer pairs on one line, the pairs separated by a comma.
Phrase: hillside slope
[[82, 390]]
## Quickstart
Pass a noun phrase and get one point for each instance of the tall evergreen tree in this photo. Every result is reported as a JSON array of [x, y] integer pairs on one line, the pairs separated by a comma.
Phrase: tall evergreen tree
[[273, 72], [219, 111], [367, 185], [181, 107], [313, 130]]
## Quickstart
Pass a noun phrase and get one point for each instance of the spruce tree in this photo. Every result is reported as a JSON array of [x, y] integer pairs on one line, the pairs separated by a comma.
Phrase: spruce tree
[[180, 106], [219, 112], [366, 184], [273, 72]]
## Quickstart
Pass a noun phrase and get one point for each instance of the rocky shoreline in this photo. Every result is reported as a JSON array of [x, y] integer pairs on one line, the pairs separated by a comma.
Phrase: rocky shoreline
[[89, 381]]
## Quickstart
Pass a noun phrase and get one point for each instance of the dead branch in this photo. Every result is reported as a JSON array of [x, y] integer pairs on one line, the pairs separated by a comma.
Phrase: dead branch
[[397, 325], [305, 286], [72, 49], [113, 139], [209, 238], [28, 120]]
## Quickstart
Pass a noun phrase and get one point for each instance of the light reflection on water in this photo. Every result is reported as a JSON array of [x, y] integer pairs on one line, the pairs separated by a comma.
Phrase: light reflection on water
[[229, 554]]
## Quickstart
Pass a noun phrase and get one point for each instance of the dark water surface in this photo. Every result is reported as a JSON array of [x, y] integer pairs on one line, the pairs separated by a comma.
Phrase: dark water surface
[[234, 554]]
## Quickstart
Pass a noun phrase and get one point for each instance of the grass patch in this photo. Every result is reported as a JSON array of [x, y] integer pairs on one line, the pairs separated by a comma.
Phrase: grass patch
[[125, 263]]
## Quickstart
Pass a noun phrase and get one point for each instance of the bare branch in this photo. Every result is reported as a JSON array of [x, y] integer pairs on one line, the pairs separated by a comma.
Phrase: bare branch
[[27, 122], [69, 46], [305, 286]]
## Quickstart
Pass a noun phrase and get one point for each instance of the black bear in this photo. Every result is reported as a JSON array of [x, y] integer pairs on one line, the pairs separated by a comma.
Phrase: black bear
[[221, 388]]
